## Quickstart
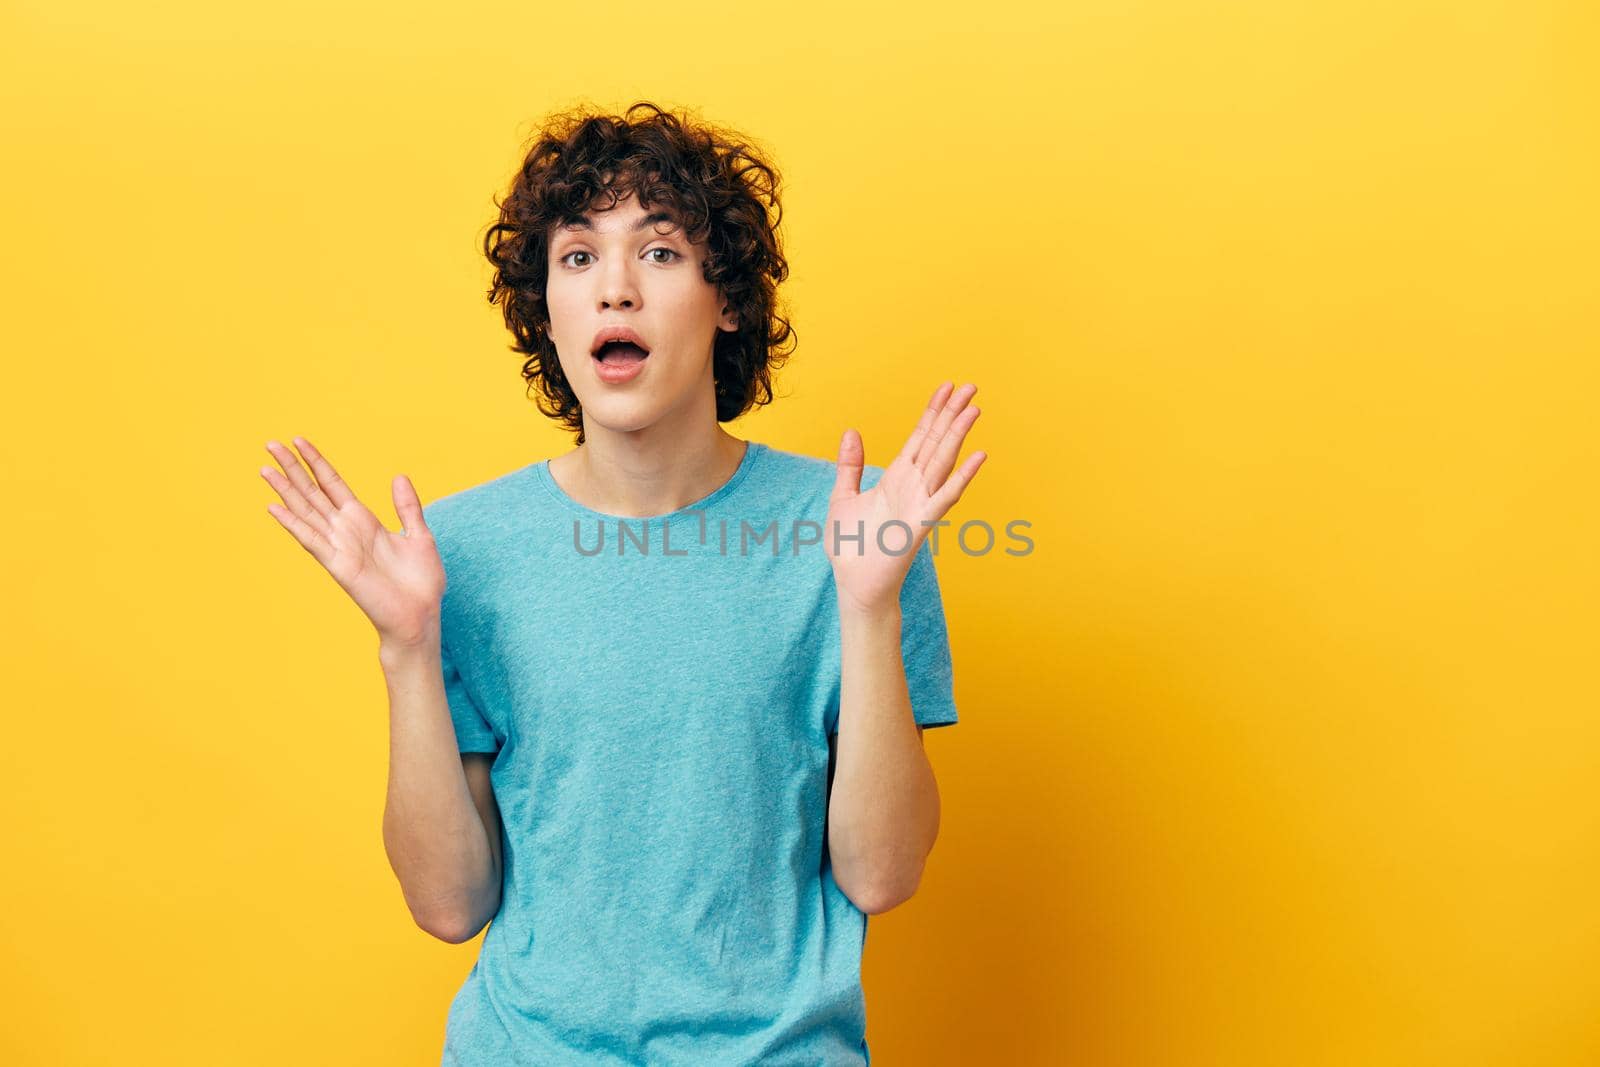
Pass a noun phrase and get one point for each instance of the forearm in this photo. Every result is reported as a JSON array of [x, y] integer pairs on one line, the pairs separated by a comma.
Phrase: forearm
[[883, 812], [432, 832]]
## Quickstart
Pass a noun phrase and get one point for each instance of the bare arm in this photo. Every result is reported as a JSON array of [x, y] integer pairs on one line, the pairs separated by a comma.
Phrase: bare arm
[[440, 825], [883, 805], [441, 828], [884, 801]]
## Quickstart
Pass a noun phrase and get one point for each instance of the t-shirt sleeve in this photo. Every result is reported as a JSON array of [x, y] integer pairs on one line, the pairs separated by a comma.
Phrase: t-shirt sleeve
[[925, 644], [473, 732]]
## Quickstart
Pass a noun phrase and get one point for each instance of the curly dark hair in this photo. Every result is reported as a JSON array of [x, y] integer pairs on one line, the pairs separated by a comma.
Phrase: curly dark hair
[[718, 185]]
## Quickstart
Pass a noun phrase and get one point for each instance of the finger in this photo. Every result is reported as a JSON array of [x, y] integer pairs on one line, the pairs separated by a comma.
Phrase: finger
[[935, 402], [951, 491], [338, 492], [947, 414], [409, 507], [302, 481], [944, 457], [309, 539], [296, 501], [852, 457]]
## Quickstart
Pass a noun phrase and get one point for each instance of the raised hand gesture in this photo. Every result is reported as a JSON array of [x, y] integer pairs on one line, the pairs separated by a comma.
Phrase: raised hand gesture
[[916, 488], [397, 579]]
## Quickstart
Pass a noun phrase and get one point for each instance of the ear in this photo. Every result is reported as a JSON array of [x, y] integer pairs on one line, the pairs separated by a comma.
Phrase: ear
[[729, 320]]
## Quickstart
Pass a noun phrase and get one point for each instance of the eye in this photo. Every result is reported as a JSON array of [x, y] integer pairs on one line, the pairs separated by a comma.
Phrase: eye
[[673, 253]]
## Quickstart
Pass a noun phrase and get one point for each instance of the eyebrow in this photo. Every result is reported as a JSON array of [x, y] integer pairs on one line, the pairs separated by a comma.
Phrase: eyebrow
[[582, 222]]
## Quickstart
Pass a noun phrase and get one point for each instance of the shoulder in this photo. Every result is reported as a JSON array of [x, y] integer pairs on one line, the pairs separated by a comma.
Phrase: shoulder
[[797, 470], [456, 513]]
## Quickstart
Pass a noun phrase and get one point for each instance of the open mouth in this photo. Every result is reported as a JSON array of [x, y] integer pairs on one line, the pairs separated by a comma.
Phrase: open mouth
[[620, 352]]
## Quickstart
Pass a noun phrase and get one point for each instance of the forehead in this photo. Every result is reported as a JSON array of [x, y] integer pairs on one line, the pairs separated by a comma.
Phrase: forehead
[[625, 218]]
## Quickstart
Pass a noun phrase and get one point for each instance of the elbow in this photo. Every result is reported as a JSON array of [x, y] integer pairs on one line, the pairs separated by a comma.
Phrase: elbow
[[454, 929], [453, 925], [884, 895], [877, 905], [887, 886]]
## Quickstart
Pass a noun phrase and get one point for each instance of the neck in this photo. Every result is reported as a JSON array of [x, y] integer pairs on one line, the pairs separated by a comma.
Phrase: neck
[[647, 472]]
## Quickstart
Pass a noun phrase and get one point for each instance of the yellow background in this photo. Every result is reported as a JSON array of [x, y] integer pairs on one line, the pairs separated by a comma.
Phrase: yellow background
[[1281, 747]]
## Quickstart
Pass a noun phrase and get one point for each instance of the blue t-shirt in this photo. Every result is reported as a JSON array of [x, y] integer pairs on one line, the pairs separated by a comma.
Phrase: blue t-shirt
[[660, 710]]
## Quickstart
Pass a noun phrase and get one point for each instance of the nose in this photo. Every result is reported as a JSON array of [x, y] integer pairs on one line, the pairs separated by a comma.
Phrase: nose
[[617, 289]]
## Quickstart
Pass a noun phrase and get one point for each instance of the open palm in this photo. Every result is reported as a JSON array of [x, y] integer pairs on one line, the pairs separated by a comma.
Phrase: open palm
[[396, 578], [916, 488]]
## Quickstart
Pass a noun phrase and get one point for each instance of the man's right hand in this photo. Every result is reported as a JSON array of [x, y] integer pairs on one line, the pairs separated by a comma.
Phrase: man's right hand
[[397, 579]]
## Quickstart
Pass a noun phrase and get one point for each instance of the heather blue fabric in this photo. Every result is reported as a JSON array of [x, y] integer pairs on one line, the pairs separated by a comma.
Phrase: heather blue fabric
[[661, 718]]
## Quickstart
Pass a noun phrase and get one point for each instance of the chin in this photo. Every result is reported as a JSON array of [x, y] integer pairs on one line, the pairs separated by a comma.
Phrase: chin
[[616, 416]]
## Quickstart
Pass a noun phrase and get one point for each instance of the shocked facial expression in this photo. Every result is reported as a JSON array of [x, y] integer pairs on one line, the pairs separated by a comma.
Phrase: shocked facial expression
[[632, 317]]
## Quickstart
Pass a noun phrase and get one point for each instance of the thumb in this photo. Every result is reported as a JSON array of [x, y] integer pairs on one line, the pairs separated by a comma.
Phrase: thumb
[[851, 457], [408, 506]]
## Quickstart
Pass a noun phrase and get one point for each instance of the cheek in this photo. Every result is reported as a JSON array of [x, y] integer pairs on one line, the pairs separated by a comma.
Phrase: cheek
[[565, 316], [696, 303], [557, 292]]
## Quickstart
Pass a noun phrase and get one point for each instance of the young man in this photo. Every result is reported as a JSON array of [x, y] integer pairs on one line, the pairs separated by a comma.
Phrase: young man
[[687, 674]]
